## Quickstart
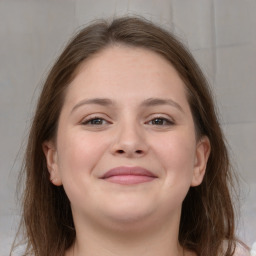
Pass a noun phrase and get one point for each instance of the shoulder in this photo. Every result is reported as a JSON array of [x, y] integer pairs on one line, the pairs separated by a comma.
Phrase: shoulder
[[253, 250], [242, 250]]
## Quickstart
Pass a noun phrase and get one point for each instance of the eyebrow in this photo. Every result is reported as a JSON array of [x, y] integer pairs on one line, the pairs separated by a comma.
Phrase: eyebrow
[[146, 103], [159, 101], [96, 101]]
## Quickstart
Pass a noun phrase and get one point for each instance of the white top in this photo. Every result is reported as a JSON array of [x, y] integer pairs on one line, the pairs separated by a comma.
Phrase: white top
[[242, 251], [253, 250]]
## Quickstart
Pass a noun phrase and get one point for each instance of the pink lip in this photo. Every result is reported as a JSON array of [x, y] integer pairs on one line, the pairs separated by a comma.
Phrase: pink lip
[[128, 175]]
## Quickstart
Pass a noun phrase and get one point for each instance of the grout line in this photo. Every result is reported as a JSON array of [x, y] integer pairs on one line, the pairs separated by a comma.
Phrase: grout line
[[238, 123], [214, 38]]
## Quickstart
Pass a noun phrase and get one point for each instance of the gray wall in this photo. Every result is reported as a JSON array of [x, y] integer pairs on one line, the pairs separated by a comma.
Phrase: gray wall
[[221, 35]]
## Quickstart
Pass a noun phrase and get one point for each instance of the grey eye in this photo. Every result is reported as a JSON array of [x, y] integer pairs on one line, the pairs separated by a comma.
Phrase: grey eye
[[95, 121], [160, 121]]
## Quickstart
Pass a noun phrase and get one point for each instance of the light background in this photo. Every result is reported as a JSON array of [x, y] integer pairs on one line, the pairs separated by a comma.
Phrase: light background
[[220, 33]]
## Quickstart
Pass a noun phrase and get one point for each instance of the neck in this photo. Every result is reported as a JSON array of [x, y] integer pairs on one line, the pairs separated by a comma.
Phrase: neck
[[161, 240]]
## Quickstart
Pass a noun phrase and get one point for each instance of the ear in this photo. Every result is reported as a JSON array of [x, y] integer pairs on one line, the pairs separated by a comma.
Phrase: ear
[[51, 156], [203, 150]]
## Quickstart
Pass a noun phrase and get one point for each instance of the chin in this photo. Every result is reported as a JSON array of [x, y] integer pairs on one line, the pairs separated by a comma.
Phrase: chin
[[132, 217]]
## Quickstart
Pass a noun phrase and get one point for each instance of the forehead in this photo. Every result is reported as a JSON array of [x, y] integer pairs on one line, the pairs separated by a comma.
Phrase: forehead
[[126, 72]]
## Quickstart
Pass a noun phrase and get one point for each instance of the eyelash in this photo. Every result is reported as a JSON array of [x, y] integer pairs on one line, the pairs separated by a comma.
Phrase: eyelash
[[90, 120], [166, 121], [163, 121]]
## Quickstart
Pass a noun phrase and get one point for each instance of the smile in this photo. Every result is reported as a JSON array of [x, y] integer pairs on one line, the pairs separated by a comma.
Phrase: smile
[[128, 175]]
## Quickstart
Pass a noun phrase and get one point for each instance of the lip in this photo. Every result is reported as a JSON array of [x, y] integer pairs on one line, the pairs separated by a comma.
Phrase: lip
[[128, 175]]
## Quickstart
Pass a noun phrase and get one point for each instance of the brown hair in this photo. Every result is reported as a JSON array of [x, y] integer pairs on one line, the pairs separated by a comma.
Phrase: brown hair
[[207, 219]]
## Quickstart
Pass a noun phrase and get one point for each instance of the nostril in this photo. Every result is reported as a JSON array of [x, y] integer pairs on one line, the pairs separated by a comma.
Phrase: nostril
[[120, 151]]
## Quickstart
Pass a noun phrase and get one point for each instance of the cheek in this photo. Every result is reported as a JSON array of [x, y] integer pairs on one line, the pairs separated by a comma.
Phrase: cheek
[[78, 156], [177, 156], [78, 153]]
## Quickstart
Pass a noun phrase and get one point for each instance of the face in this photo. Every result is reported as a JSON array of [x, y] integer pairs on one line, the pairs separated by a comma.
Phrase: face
[[126, 148]]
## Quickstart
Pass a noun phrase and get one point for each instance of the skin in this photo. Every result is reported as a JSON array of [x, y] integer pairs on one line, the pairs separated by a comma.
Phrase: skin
[[115, 219]]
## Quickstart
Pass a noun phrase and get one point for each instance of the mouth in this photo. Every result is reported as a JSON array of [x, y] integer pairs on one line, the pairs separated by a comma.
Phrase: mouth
[[128, 175]]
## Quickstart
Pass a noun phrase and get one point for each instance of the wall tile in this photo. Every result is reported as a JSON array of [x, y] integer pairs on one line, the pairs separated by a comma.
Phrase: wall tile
[[242, 142], [31, 34], [8, 224], [241, 138], [193, 20], [247, 223], [206, 58], [150, 9], [236, 83], [157, 11], [235, 22]]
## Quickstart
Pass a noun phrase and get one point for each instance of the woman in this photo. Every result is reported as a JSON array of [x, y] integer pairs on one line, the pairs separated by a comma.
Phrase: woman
[[125, 154]]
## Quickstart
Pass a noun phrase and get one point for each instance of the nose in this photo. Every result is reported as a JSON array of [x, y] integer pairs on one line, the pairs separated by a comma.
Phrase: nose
[[130, 142]]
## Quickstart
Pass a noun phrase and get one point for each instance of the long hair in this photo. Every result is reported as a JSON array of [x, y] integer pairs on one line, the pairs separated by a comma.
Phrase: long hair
[[207, 218]]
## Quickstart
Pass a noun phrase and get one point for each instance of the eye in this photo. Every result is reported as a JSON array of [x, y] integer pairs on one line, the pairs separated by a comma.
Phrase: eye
[[95, 121], [161, 121]]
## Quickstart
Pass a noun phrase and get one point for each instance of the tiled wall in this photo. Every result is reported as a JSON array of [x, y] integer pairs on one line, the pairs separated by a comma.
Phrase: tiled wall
[[221, 35]]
